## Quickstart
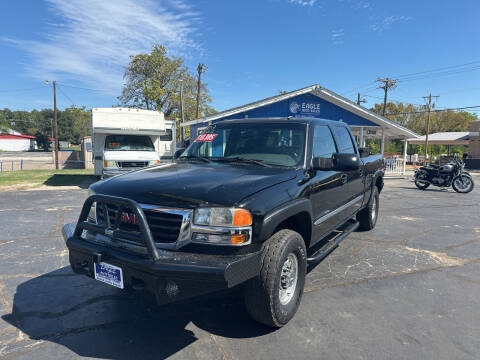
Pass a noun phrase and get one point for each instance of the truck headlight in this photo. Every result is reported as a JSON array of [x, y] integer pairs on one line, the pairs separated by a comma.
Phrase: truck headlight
[[109, 164], [153, 162], [222, 226], [222, 217]]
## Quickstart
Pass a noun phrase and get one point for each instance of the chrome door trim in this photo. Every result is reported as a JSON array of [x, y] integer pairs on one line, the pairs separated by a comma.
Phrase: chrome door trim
[[338, 210]]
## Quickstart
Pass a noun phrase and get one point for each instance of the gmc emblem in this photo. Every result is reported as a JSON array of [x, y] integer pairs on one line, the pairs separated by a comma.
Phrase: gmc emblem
[[129, 218]]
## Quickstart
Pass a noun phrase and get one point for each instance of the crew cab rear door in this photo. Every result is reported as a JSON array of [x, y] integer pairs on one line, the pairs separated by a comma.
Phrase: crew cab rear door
[[325, 187], [353, 184]]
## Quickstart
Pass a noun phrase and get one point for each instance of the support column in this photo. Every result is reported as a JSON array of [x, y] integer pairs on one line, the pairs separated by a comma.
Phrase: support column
[[405, 145], [382, 144], [362, 139]]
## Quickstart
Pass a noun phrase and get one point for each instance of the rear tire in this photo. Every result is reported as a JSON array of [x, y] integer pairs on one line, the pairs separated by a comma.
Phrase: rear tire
[[273, 297], [464, 187], [420, 184], [367, 217]]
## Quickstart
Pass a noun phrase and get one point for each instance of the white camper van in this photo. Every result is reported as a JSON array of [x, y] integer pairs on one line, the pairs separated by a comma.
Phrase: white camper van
[[130, 139]]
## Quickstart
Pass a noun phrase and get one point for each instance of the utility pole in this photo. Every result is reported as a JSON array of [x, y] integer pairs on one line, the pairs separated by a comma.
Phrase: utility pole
[[201, 69], [55, 122], [182, 119], [387, 84], [429, 107], [359, 101]]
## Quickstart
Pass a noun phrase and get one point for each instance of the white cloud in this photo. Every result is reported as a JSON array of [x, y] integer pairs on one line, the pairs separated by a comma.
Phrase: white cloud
[[303, 2], [387, 22], [93, 39], [337, 36]]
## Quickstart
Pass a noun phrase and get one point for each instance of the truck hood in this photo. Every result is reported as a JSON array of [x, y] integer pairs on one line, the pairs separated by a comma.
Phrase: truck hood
[[189, 184], [130, 155]]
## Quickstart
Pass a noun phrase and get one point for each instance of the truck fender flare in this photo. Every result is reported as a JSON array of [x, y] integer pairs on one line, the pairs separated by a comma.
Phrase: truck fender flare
[[378, 173], [283, 212]]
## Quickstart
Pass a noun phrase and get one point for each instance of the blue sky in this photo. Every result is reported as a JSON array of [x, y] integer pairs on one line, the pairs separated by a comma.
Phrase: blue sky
[[253, 48]]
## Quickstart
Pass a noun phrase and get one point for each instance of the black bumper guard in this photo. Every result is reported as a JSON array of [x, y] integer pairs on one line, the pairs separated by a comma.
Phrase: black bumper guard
[[112, 230]]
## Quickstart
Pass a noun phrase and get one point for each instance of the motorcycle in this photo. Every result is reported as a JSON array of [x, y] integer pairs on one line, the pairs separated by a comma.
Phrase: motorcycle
[[451, 174]]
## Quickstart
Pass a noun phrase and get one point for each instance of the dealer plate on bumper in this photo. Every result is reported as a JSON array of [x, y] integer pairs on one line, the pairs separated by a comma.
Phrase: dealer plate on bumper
[[109, 274]]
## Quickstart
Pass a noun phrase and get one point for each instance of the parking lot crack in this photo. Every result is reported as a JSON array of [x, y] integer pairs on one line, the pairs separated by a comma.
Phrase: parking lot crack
[[389, 276]]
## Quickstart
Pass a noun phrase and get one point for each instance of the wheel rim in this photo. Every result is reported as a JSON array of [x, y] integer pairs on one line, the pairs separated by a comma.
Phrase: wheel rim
[[462, 185], [374, 208], [288, 279]]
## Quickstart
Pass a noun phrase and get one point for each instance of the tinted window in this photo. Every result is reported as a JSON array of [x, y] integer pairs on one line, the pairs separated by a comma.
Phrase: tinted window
[[323, 145], [275, 144], [344, 141]]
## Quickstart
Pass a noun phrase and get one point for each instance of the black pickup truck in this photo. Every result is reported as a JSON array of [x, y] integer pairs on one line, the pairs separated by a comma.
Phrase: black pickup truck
[[250, 202]]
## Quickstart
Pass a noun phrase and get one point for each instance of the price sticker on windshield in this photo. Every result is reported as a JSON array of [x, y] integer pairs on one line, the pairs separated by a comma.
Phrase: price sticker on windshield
[[206, 137]]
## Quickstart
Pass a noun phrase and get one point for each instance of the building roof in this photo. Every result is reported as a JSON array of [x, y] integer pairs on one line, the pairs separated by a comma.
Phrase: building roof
[[391, 129], [443, 138], [16, 137], [290, 119]]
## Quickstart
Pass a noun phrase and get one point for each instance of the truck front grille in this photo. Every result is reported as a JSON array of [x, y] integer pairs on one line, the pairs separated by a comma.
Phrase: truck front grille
[[132, 164], [165, 225]]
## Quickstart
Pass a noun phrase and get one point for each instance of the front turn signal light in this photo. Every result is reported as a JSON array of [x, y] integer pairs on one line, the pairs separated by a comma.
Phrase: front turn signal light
[[238, 239], [241, 217]]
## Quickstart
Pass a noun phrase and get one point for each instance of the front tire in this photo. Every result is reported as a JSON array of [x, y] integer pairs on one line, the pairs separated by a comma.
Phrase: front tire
[[273, 297], [462, 184], [367, 217]]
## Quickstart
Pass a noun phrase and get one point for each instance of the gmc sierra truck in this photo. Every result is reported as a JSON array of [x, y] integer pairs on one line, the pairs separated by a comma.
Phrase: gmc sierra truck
[[250, 202]]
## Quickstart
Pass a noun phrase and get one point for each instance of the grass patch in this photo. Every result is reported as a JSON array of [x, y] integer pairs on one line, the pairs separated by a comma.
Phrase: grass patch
[[70, 177]]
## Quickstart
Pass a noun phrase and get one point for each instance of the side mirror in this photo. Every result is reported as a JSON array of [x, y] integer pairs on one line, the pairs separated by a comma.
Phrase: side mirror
[[178, 153], [322, 163], [345, 162], [365, 151]]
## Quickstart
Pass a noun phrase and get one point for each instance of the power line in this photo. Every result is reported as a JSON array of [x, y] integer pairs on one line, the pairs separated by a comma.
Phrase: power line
[[81, 87], [64, 94], [432, 111], [437, 69], [442, 71]]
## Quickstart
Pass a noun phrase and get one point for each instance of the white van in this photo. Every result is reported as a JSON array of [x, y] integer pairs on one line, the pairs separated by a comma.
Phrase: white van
[[129, 139]]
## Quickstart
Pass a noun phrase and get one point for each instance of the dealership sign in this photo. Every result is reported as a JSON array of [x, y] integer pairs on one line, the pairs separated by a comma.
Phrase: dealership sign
[[304, 108]]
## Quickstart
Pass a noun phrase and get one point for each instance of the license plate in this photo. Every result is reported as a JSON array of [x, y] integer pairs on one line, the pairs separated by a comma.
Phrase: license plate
[[109, 274]]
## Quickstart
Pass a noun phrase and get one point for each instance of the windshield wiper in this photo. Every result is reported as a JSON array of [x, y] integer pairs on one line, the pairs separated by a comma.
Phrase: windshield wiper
[[241, 160], [193, 157]]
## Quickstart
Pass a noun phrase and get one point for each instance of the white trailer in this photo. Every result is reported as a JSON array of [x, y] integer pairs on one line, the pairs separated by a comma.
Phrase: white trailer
[[127, 139]]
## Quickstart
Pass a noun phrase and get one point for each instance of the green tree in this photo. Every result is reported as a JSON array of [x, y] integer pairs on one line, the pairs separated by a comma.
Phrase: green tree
[[73, 124], [152, 81]]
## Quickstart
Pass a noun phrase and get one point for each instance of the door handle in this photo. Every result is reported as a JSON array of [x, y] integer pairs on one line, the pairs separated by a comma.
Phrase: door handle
[[343, 178]]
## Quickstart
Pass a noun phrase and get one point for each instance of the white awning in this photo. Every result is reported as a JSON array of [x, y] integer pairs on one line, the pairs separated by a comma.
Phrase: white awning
[[443, 138]]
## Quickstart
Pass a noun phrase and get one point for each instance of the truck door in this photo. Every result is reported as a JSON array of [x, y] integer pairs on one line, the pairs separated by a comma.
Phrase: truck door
[[353, 186], [325, 188]]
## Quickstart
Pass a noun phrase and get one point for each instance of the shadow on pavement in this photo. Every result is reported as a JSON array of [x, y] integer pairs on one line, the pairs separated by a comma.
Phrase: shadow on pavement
[[95, 320], [82, 181]]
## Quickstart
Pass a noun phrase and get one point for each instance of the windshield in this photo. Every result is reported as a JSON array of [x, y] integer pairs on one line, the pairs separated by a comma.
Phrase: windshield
[[273, 144], [128, 143]]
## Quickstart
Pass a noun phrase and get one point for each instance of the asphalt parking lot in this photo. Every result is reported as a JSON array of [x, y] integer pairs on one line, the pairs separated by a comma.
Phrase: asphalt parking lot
[[409, 289]]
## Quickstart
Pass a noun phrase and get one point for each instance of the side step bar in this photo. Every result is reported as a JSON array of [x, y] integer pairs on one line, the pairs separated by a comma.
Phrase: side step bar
[[332, 244]]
